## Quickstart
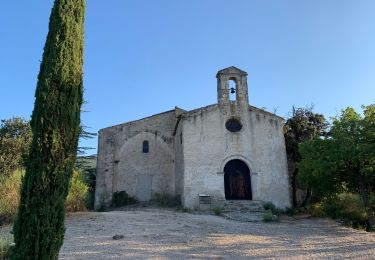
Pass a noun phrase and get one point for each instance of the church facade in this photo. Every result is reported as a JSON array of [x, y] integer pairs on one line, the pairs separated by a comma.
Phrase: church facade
[[228, 151]]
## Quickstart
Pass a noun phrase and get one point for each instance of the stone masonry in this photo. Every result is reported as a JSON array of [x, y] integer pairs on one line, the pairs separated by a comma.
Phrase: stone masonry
[[229, 150]]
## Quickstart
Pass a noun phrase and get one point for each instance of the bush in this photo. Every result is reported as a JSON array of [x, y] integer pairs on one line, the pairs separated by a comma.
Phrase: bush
[[269, 206], [348, 208], [167, 200], [345, 207], [317, 210], [78, 193], [218, 210], [274, 210], [9, 196], [90, 179], [268, 216], [121, 198], [183, 209], [294, 211]]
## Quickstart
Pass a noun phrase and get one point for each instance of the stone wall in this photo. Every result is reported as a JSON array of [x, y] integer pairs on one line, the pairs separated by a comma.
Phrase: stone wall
[[208, 146], [189, 150], [122, 165], [179, 158]]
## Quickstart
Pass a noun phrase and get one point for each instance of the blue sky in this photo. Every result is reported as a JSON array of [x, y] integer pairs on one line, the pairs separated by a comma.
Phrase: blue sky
[[143, 57]]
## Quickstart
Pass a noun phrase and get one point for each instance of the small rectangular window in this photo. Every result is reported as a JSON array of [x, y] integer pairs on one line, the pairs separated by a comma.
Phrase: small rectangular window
[[145, 147]]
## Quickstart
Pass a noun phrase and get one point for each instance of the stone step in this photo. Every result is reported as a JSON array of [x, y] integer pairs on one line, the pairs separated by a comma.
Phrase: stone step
[[242, 202], [243, 210], [244, 216], [242, 205]]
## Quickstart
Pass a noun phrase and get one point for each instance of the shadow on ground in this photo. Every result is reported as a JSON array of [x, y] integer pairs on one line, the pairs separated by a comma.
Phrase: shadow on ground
[[167, 234]]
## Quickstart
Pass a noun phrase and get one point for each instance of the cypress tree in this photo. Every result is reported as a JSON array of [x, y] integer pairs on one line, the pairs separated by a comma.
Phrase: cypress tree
[[39, 226]]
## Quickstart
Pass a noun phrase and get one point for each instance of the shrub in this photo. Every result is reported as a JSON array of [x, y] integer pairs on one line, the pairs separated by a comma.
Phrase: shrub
[[90, 179], [268, 216], [295, 211], [218, 210], [345, 207], [183, 209], [269, 206], [275, 211], [348, 208], [121, 198], [78, 193], [9, 196], [317, 210], [167, 200]]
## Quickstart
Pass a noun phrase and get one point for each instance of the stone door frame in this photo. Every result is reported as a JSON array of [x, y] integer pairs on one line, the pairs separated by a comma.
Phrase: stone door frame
[[249, 164]]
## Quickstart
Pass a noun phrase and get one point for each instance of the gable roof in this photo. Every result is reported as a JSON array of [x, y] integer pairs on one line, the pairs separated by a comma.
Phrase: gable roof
[[232, 70]]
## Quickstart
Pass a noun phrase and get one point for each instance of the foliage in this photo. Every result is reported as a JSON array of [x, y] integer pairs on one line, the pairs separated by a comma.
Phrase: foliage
[[317, 209], [122, 198], [167, 200], [15, 138], [318, 170], [84, 134], [270, 206], [218, 210], [180, 208], [87, 165], [90, 200], [78, 193], [345, 207], [268, 216], [302, 126], [9, 196], [345, 160], [55, 123]]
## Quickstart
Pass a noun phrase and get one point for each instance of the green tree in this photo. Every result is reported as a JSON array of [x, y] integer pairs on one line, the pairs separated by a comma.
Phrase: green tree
[[302, 126], [55, 123], [15, 139], [345, 160]]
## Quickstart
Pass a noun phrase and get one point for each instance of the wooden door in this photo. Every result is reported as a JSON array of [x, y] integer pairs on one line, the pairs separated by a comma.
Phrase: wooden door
[[237, 182]]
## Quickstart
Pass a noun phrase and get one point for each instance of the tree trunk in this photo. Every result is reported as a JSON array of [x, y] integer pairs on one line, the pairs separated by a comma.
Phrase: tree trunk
[[307, 197]]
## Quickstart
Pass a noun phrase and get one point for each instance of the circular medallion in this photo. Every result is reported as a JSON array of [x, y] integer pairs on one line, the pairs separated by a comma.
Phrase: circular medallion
[[233, 125]]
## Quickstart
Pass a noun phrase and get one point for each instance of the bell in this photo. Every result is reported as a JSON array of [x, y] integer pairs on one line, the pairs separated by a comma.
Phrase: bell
[[232, 91]]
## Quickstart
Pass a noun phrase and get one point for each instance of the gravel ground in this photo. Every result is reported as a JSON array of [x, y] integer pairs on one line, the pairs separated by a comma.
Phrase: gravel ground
[[166, 234]]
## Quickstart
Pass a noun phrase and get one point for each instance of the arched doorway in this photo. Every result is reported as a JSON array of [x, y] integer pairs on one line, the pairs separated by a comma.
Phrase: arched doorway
[[237, 182]]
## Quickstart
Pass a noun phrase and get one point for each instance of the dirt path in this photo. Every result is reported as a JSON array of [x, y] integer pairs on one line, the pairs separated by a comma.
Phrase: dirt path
[[167, 234]]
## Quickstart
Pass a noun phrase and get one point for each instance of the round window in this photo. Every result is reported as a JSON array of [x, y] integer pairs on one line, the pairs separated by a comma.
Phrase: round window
[[233, 125]]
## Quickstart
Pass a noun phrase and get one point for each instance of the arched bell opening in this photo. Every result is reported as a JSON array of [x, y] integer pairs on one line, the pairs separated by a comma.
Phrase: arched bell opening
[[232, 89]]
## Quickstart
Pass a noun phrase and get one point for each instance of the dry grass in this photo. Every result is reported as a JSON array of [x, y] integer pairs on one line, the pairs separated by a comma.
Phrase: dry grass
[[9, 196], [78, 191]]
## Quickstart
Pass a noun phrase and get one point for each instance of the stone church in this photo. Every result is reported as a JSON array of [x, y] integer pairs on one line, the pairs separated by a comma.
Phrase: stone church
[[227, 151]]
